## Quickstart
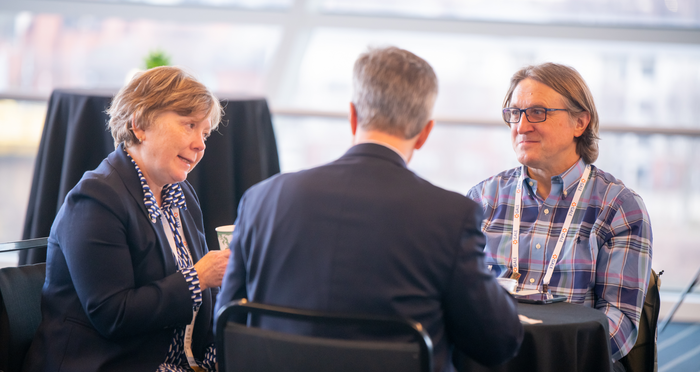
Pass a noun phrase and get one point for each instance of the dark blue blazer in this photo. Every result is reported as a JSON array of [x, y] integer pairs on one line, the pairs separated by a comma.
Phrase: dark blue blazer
[[365, 234], [112, 295]]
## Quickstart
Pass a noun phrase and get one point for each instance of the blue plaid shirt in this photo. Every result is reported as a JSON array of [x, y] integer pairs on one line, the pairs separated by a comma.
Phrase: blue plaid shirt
[[605, 262]]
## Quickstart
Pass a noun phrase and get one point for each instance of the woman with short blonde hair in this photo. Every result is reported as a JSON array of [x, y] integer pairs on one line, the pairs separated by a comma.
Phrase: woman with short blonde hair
[[130, 283]]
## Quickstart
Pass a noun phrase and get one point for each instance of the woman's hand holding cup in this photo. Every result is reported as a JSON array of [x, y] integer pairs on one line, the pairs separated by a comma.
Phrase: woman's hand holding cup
[[211, 268]]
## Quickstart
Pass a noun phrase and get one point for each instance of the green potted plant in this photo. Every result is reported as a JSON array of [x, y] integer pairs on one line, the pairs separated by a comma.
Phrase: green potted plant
[[156, 58]]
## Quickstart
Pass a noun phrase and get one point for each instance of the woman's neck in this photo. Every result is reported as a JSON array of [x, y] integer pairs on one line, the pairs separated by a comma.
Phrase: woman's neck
[[155, 189]]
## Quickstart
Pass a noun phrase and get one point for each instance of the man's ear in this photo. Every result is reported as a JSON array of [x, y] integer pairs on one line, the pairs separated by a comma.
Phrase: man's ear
[[353, 118], [423, 135], [582, 121]]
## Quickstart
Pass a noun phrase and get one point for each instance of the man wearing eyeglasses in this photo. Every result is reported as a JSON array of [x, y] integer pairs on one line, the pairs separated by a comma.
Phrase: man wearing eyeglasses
[[557, 223]]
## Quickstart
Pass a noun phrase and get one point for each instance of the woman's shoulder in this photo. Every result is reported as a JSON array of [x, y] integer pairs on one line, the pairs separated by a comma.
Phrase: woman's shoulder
[[103, 178], [104, 185], [98, 197]]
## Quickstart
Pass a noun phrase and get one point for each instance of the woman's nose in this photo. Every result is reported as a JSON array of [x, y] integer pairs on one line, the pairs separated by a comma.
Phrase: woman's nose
[[199, 144]]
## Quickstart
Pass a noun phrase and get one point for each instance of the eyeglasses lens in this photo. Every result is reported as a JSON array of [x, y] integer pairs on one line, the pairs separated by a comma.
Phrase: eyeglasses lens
[[511, 115], [536, 115]]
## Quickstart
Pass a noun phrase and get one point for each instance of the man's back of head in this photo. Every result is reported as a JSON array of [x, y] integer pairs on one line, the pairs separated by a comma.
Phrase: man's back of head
[[364, 234], [393, 91]]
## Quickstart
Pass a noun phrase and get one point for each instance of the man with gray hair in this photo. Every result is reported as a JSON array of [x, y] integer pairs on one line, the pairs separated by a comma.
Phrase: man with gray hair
[[364, 234]]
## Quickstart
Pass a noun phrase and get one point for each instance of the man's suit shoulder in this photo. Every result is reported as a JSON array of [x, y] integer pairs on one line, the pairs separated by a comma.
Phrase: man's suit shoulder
[[313, 178]]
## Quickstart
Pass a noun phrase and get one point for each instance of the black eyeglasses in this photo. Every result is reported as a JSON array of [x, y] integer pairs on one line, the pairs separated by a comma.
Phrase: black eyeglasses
[[533, 114]]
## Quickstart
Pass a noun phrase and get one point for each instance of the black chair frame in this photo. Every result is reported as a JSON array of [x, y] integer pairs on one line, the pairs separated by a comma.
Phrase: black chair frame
[[20, 300], [23, 245], [644, 356], [242, 307]]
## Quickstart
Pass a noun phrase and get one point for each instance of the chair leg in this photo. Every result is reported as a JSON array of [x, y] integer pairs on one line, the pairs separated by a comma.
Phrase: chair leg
[[688, 289]]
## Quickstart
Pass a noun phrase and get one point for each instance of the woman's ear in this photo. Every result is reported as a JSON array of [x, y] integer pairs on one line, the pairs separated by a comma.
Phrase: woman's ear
[[139, 133]]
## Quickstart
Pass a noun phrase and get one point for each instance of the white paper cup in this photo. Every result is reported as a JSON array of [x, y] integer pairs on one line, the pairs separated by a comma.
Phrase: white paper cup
[[224, 235], [508, 284]]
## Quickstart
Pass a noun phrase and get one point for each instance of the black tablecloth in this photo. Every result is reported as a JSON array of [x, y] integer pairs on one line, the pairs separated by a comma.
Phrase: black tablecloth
[[570, 338], [76, 139]]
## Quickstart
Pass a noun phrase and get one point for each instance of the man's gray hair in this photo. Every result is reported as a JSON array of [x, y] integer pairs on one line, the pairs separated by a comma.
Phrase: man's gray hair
[[394, 91]]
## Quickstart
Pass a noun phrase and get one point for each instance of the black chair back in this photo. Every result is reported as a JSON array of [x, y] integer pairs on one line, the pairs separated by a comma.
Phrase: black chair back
[[242, 348], [643, 356], [20, 306]]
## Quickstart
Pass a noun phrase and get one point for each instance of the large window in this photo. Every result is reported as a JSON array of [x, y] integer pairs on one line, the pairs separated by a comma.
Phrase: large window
[[634, 83], [640, 59], [40, 52], [20, 130], [244, 4], [674, 13]]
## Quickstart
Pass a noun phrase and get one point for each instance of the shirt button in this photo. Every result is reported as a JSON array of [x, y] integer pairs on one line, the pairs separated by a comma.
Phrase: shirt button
[[546, 211], [530, 183], [532, 280], [538, 246], [564, 192]]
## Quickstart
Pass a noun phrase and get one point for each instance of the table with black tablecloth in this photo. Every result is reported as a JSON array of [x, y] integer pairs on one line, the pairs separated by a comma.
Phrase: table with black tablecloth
[[571, 338], [76, 139]]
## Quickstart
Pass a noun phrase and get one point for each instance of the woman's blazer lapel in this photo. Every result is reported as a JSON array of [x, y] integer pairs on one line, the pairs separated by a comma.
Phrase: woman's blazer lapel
[[123, 165]]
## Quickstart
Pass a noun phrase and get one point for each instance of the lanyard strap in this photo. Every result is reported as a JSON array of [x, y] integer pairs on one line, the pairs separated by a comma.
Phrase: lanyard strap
[[188, 343], [517, 211], [173, 247], [169, 232]]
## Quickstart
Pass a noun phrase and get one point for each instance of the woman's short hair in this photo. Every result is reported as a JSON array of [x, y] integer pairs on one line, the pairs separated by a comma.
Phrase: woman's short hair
[[568, 82], [153, 92], [394, 91]]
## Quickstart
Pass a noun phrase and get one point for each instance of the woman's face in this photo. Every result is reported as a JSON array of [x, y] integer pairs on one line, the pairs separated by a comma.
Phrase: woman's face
[[171, 147]]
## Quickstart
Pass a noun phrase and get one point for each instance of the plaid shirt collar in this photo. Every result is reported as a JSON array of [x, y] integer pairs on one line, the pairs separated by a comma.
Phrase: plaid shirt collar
[[569, 178]]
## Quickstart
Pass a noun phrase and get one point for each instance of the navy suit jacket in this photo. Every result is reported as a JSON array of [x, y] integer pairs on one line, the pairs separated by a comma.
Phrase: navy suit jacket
[[112, 295], [364, 234]]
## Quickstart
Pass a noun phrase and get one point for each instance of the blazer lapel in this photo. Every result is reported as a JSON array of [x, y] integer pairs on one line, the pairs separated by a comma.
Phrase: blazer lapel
[[167, 253], [123, 165], [191, 235]]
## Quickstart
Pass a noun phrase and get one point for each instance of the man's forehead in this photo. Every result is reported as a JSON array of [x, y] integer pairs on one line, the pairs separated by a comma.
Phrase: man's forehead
[[531, 92]]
